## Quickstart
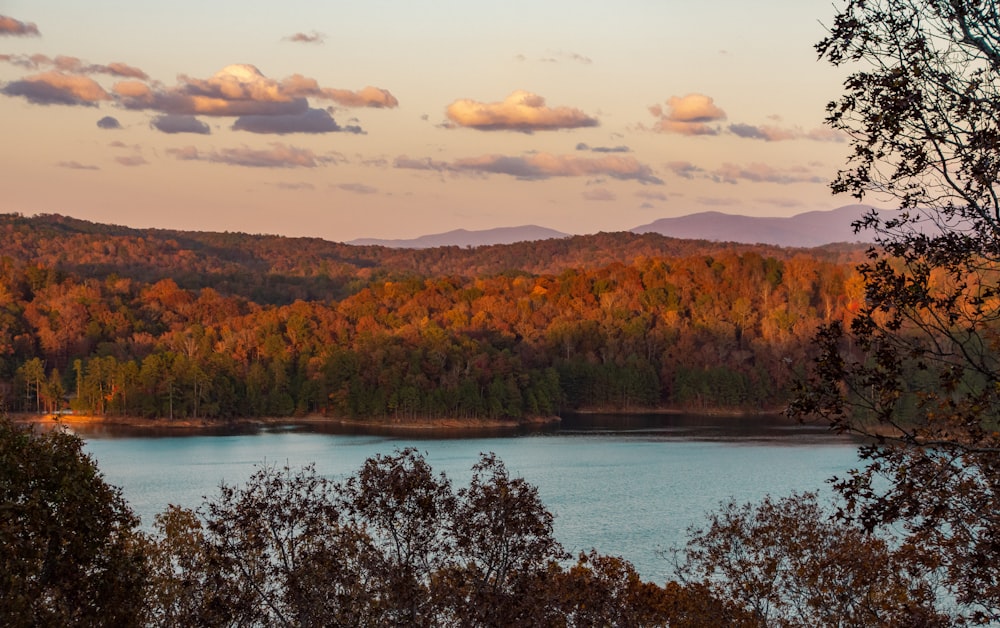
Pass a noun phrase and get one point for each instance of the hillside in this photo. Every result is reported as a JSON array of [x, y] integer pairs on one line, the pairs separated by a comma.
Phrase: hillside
[[170, 324], [277, 269]]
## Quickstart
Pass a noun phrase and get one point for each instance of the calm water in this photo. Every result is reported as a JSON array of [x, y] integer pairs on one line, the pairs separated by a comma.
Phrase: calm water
[[627, 486]]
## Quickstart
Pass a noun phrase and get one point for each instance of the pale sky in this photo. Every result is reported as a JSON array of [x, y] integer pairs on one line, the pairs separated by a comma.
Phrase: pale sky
[[395, 119]]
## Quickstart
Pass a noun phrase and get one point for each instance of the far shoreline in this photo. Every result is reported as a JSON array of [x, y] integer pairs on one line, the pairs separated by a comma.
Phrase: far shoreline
[[192, 424], [387, 425]]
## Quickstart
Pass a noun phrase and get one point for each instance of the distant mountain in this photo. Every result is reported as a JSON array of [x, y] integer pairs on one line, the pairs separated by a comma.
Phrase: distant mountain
[[805, 230], [463, 237], [802, 230]]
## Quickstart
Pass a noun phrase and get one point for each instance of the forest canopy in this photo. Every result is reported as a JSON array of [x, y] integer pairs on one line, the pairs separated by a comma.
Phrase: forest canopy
[[117, 321]]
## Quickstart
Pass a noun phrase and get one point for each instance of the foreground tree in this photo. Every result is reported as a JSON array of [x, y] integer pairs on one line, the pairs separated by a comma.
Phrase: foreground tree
[[920, 365], [787, 563], [394, 545], [70, 554], [271, 553]]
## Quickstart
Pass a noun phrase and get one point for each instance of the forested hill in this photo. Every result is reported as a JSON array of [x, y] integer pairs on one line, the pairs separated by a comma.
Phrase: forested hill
[[277, 270], [157, 323]]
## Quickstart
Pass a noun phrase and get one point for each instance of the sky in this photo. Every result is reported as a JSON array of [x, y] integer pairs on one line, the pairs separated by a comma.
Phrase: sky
[[400, 118]]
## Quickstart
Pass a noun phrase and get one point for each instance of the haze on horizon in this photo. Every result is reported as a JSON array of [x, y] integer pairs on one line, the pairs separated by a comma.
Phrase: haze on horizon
[[397, 119]]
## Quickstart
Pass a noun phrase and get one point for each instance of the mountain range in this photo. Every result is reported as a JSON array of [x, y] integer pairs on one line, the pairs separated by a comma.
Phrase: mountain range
[[808, 229], [464, 237]]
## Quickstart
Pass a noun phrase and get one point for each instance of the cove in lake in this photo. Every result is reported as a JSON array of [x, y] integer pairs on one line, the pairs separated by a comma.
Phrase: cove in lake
[[627, 485]]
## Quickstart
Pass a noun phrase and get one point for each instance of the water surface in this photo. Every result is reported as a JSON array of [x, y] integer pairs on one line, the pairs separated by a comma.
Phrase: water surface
[[629, 486]]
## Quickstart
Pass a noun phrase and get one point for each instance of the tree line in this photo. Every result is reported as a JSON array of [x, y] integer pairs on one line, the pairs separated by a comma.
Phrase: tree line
[[726, 330]]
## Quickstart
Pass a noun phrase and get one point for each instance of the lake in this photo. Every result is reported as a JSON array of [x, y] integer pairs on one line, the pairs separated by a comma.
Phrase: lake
[[625, 485]]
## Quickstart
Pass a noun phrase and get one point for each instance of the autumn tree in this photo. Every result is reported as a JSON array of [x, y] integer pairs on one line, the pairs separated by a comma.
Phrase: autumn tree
[[919, 367], [787, 563], [395, 545], [70, 554], [271, 552]]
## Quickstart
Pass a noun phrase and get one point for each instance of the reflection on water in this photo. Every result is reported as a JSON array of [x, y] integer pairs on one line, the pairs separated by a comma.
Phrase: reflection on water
[[698, 427], [625, 485], [653, 425]]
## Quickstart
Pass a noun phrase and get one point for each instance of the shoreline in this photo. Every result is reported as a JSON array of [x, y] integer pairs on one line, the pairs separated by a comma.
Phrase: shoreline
[[423, 424], [413, 426]]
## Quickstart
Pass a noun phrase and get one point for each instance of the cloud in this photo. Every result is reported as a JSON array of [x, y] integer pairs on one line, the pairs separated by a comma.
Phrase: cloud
[[357, 188], [712, 201], [599, 194], [366, 97], [132, 160], [133, 90], [545, 165], [684, 169], [307, 38], [56, 88], [171, 123], [420, 164], [236, 90], [521, 111], [278, 156], [826, 134], [651, 195], [770, 133], [10, 26], [122, 69], [311, 121], [539, 166], [284, 185], [76, 165], [242, 90], [107, 122], [604, 149], [579, 58], [560, 55], [763, 173], [74, 65], [303, 87], [688, 115], [782, 202]]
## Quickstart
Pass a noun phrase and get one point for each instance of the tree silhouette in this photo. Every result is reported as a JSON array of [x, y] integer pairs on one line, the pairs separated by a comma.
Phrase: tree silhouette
[[918, 369], [70, 554]]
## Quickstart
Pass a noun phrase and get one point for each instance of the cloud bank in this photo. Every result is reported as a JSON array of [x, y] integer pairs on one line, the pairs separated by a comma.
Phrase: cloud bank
[[521, 111]]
